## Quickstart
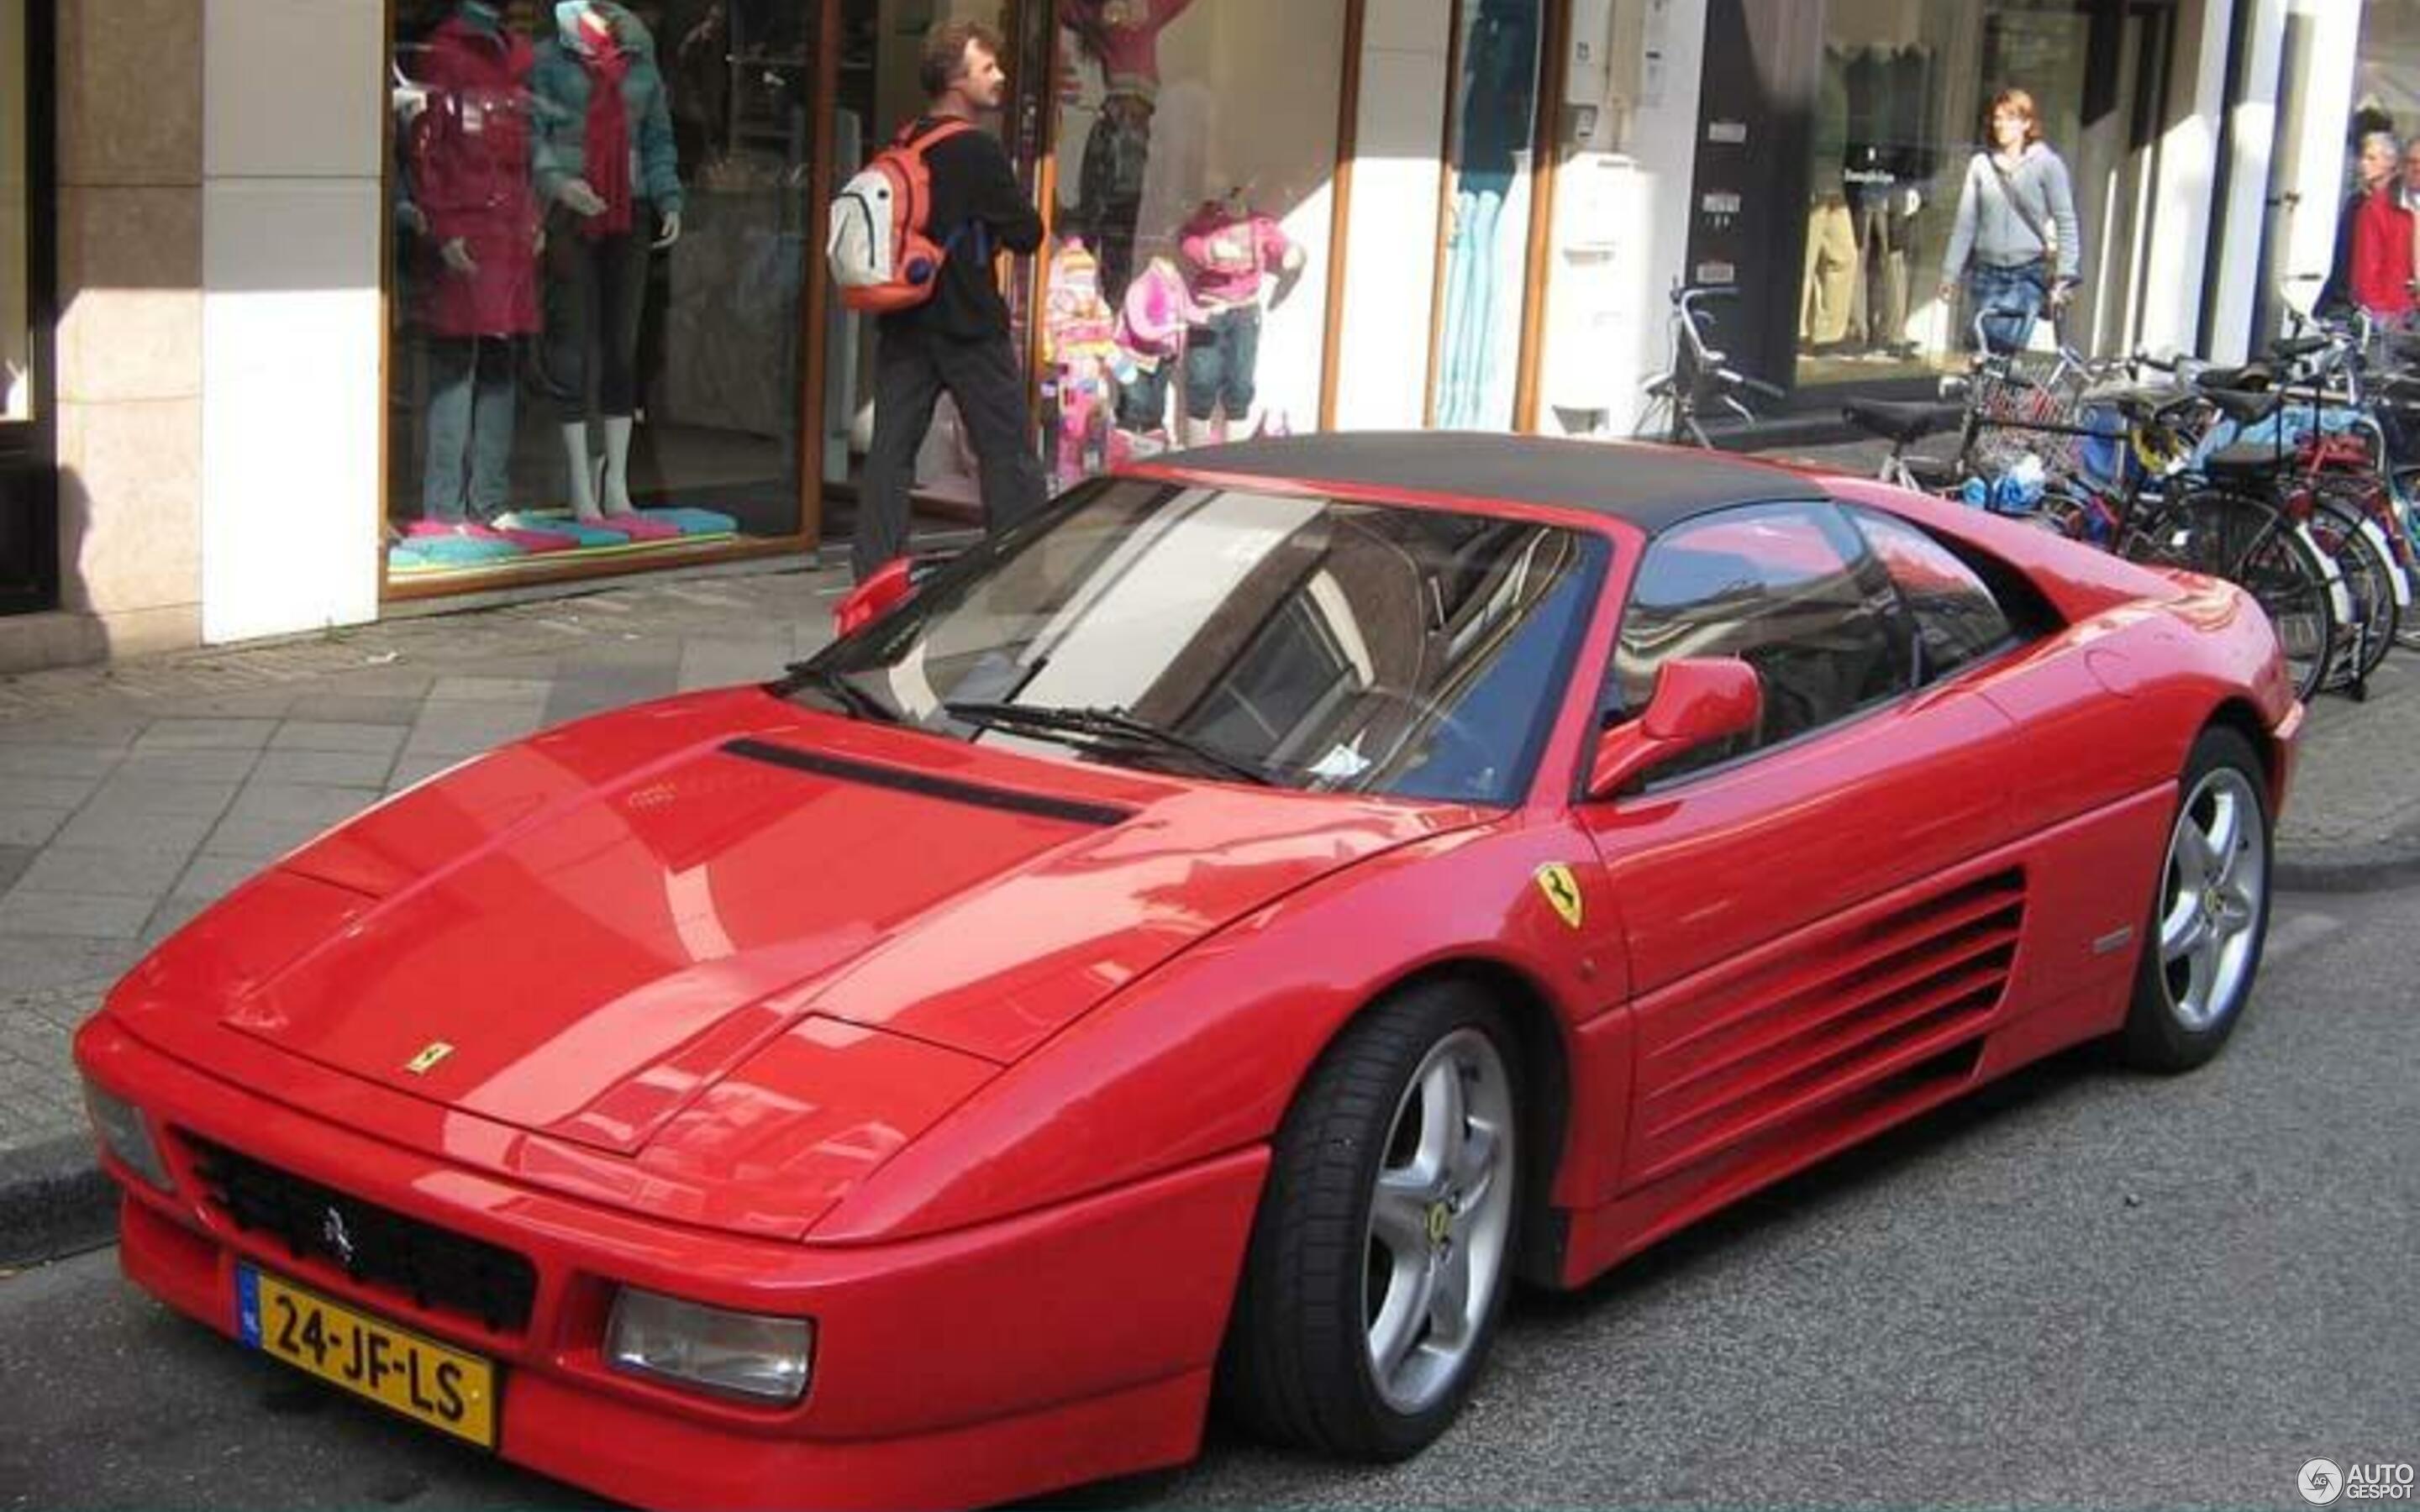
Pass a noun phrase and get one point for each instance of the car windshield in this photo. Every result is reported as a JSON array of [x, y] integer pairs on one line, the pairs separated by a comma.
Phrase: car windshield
[[1302, 642]]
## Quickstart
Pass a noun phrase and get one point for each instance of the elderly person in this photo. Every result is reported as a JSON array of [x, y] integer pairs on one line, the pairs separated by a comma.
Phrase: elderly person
[[2374, 173], [2016, 244]]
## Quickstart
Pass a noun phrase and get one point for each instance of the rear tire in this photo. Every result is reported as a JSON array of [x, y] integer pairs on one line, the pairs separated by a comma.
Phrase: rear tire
[[2210, 916], [1382, 1253]]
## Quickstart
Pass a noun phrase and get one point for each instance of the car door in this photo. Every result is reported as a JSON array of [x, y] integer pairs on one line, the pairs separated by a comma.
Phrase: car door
[[1801, 919]]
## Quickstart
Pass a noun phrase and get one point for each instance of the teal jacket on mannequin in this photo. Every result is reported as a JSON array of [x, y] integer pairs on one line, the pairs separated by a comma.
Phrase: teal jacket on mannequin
[[559, 82]]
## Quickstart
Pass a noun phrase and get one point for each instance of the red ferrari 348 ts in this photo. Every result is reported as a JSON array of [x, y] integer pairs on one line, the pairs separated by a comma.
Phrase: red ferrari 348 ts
[[1202, 943]]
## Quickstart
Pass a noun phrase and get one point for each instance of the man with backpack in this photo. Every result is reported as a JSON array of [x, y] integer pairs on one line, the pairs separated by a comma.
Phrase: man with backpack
[[945, 328]]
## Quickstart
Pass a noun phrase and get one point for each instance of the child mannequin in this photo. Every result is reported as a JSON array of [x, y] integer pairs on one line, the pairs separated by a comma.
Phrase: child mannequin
[[1230, 251], [1079, 328], [1151, 321]]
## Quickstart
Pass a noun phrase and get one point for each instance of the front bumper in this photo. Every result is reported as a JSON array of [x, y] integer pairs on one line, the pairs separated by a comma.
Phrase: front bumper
[[1061, 1345]]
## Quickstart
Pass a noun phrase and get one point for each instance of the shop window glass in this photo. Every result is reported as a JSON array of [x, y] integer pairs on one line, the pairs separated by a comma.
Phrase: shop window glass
[[1188, 292], [1485, 277], [601, 221], [16, 208], [2387, 78], [1898, 111]]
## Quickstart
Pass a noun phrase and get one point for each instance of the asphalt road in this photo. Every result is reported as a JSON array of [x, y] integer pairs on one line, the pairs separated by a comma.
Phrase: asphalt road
[[2083, 1287]]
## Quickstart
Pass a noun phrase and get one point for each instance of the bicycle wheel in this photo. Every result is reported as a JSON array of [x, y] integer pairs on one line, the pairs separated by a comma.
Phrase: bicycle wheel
[[2074, 515], [2367, 634], [2249, 543]]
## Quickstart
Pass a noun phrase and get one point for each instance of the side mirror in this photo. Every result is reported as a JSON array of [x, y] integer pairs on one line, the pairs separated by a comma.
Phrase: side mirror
[[1698, 699], [883, 591]]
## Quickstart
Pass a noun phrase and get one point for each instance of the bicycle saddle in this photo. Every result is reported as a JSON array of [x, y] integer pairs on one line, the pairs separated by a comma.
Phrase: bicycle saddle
[[1903, 420], [2241, 407], [2250, 378], [2294, 348], [2135, 401]]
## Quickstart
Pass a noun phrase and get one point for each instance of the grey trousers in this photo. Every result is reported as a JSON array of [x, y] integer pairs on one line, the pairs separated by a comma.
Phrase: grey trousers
[[911, 371]]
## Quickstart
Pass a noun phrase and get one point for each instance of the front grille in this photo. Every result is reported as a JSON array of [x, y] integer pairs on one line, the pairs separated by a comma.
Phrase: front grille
[[437, 1269]]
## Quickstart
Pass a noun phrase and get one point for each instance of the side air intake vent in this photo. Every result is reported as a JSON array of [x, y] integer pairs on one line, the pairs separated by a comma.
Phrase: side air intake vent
[[1779, 1041]]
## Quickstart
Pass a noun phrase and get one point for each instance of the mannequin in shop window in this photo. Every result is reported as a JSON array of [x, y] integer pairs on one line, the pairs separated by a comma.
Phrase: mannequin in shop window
[[1236, 258], [606, 168], [1485, 267], [1861, 232], [1152, 318], [1121, 37], [468, 153], [1080, 341]]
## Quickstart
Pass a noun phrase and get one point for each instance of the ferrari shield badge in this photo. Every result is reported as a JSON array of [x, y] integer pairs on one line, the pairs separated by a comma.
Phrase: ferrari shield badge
[[435, 1051], [1562, 890]]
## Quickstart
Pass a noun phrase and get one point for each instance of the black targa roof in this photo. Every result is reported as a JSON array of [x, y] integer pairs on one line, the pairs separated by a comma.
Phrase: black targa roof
[[1651, 487]]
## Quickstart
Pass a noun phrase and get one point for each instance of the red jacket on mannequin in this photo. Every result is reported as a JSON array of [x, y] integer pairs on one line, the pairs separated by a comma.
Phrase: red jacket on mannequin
[[470, 168]]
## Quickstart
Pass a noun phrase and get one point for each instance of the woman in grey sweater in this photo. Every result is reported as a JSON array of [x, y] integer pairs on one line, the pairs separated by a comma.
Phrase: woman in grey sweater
[[2016, 242]]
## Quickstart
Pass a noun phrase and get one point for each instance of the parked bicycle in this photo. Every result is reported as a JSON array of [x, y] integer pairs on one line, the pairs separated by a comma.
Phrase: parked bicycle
[[1700, 379]]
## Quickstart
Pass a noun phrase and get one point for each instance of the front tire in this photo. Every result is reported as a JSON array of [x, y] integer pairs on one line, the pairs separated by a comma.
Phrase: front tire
[[1382, 1253], [2209, 917]]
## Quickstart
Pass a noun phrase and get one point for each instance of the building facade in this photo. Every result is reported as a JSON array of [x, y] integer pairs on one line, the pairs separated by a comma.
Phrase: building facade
[[336, 329]]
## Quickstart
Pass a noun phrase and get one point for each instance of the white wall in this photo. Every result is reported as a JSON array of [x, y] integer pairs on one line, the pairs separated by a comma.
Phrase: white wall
[[1391, 254], [291, 315], [2245, 214], [2328, 38], [1608, 298], [2184, 221]]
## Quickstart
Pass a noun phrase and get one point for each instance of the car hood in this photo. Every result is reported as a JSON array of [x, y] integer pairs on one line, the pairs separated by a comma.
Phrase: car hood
[[651, 931]]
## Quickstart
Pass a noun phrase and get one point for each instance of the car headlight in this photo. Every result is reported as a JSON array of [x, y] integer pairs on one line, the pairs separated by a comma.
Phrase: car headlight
[[126, 1134], [739, 1354]]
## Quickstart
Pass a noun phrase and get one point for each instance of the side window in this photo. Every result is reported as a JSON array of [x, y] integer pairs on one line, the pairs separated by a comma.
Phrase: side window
[[1958, 619], [1791, 590]]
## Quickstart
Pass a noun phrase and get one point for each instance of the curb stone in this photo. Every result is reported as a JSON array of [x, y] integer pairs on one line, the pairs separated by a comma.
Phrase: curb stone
[[54, 1201], [2382, 866]]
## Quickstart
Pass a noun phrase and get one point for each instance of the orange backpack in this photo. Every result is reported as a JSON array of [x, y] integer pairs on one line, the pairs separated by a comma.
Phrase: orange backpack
[[881, 251]]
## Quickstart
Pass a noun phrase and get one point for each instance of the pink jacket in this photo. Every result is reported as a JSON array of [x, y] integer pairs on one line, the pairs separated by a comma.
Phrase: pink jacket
[[1125, 34], [1230, 254]]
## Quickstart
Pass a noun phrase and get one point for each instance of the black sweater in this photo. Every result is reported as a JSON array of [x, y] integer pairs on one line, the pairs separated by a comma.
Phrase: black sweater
[[974, 186]]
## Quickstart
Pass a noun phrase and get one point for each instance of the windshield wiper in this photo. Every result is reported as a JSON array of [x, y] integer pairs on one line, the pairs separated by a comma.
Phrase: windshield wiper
[[836, 687], [1103, 728]]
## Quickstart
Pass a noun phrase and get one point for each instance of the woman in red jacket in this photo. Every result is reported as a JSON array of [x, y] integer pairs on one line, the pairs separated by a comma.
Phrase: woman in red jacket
[[2381, 270]]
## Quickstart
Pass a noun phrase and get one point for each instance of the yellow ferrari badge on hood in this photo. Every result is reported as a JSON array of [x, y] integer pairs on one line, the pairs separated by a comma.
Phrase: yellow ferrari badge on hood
[[435, 1051], [1562, 890]]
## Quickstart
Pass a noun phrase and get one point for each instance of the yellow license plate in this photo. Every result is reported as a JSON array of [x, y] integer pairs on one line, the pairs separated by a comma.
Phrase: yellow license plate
[[450, 1391]]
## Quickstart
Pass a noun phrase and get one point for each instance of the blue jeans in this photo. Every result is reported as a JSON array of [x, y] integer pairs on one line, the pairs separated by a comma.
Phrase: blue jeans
[[1222, 359], [471, 406], [2022, 290]]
